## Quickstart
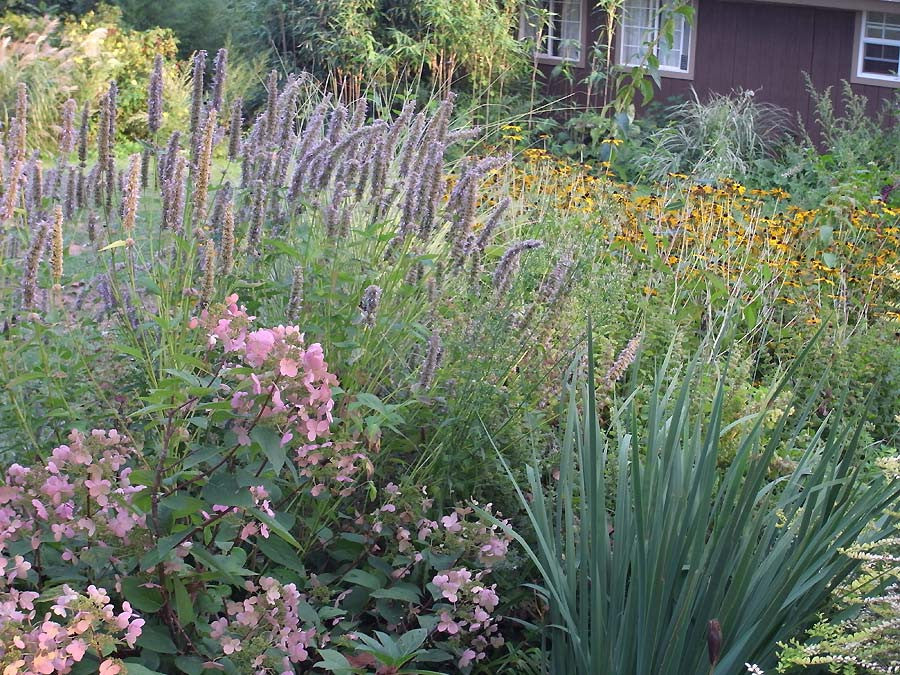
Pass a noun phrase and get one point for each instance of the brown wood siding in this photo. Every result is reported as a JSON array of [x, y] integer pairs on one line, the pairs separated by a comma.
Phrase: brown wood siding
[[767, 48]]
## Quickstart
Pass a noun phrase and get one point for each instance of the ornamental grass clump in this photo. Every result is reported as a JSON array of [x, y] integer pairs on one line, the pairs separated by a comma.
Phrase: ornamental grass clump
[[642, 543]]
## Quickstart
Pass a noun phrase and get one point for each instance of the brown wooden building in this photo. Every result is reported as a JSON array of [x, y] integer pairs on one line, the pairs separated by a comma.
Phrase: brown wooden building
[[763, 45]]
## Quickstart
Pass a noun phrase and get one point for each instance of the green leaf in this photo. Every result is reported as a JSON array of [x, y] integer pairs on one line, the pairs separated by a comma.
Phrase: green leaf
[[183, 505], [161, 551], [275, 526], [335, 662], [191, 665], [138, 669], [184, 606], [364, 579], [368, 400], [830, 260], [411, 640], [116, 244], [156, 639], [407, 593], [222, 488], [270, 442], [143, 598], [279, 551]]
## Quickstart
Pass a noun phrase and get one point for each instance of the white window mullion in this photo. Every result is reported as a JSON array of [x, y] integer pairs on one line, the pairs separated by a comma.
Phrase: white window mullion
[[882, 62], [642, 22]]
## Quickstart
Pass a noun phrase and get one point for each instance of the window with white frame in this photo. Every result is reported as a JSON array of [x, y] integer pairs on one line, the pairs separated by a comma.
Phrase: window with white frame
[[557, 28], [879, 46], [642, 21]]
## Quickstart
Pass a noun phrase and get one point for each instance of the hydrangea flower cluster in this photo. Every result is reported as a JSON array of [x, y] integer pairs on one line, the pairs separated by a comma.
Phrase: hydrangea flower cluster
[[81, 497], [465, 603], [467, 619], [80, 500], [54, 643], [273, 379], [281, 381], [263, 633], [406, 520]]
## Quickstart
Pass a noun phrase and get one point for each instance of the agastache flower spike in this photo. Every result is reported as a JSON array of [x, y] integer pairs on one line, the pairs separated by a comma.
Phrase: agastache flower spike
[[228, 237], [234, 130], [433, 356], [209, 273], [71, 199], [295, 301], [32, 260], [503, 275], [67, 130], [22, 118], [155, 96], [56, 247], [271, 107], [336, 124], [83, 136], [199, 72], [254, 236], [220, 68], [620, 365], [369, 304], [175, 194], [131, 197], [204, 165]]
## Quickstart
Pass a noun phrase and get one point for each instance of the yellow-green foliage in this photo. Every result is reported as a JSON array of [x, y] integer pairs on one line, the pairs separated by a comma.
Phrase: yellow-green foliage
[[868, 641], [77, 59]]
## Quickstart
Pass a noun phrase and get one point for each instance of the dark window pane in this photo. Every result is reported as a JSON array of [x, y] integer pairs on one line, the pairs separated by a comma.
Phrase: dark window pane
[[881, 59]]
